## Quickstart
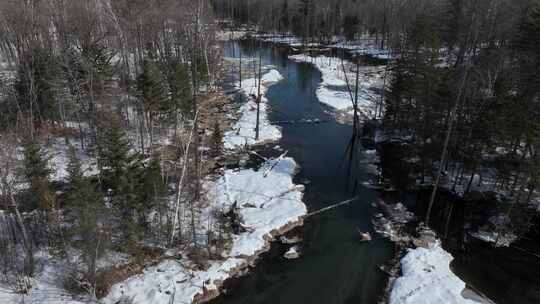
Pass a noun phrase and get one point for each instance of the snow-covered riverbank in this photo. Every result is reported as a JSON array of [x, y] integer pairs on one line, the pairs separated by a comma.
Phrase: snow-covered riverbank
[[333, 90], [243, 131], [427, 278], [269, 204], [267, 201]]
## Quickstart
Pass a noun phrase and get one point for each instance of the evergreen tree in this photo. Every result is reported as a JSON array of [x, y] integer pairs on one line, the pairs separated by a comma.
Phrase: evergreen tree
[[36, 172], [526, 45], [86, 205], [350, 26], [113, 155], [75, 174], [152, 91], [153, 96], [122, 173], [130, 200], [153, 191], [180, 86]]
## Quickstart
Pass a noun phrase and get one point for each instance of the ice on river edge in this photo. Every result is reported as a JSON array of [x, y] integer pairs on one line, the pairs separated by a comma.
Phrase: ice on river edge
[[427, 278], [243, 131]]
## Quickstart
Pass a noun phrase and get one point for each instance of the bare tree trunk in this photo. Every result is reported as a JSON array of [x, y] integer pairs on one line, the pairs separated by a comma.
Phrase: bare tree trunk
[[258, 100], [356, 122], [240, 70], [448, 218], [180, 183]]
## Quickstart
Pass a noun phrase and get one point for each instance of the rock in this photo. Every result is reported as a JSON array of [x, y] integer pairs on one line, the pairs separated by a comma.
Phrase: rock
[[292, 253], [301, 188], [365, 236], [290, 240]]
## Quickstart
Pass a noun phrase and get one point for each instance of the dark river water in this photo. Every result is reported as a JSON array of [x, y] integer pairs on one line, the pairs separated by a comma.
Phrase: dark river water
[[335, 267]]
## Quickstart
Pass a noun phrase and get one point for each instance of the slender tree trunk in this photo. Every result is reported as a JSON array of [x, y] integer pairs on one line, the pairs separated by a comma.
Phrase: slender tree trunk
[[448, 218], [258, 100], [446, 143], [180, 183]]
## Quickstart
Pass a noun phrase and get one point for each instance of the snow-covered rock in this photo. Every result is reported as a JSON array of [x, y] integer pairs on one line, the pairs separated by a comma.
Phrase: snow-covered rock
[[292, 253], [290, 240]]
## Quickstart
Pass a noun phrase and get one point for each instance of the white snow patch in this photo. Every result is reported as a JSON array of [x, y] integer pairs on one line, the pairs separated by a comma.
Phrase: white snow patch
[[46, 284], [427, 279], [59, 153]]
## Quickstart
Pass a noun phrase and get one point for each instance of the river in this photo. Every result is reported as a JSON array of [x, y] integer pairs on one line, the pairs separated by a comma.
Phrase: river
[[335, 267]]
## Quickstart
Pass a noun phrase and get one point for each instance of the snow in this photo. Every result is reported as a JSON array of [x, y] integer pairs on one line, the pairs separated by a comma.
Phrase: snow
[[59, 154], [366, 45], [46, 285], [272, 76], [169, 282], [230, 35], [269, 204], [502, 239], [333, 89], [427, 278], [243, 132]]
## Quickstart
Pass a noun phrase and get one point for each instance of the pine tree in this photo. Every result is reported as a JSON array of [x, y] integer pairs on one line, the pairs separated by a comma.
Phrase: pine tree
[[113, 156], [526, 44], [180, 86], [350, 26], [86, 205], [152, 91], [75, 173], [153, 96], [36, 172], [130, 200], [153, 192], [122, 173]]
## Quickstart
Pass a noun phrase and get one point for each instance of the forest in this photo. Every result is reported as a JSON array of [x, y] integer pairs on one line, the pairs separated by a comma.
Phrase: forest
[[99, 118], [465, 80], [115, 125]]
